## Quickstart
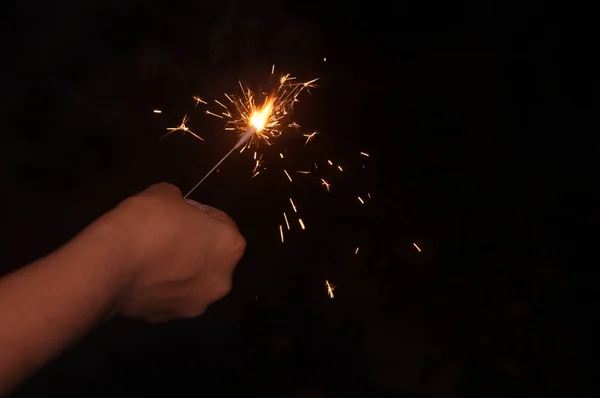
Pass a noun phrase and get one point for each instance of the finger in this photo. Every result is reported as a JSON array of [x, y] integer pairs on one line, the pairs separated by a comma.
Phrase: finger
[[211, 211], [164, 188]]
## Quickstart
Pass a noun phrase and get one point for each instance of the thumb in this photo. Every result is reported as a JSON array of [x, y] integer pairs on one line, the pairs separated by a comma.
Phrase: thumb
[[210, 211]]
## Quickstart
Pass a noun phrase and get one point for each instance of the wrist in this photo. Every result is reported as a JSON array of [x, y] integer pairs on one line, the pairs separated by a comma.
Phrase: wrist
[[101, 253]]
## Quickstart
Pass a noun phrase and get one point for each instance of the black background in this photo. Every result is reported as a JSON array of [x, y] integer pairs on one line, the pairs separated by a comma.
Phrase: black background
[[462, 108]]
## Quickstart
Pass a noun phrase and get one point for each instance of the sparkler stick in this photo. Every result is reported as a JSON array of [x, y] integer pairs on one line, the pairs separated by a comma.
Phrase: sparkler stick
[[243, 139]]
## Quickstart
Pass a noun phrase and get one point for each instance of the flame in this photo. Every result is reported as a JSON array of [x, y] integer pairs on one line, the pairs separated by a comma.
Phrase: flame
[[260, 117]]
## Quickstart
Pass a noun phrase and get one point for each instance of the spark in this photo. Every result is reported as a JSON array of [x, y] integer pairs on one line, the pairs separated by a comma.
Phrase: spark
[[254, 155], [198, 101], [281, 232], [330, 289], [220, 103], [257, 164], [330, 163], [281, 155], [316, 167], [273, 69], [157, 111], [286, 221], [356, 251], [310, 136], [340, 168], [294, 125], [365, 154], [361, 201], [257, 173], [183, 127], [288, 176], [325, 59], [301, 224], [326, 184], [417, 247], [293, 205], [214, 114], [303, 172]]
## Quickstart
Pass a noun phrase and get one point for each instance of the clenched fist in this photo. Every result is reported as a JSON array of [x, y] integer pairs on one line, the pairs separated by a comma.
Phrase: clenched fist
[[155, 257], [179, 255]]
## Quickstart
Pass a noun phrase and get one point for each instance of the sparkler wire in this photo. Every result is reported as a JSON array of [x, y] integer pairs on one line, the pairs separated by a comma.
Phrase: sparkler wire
[[243, 139]]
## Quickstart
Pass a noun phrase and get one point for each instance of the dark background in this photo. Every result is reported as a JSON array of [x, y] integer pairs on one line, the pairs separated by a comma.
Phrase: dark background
[[461, 107]]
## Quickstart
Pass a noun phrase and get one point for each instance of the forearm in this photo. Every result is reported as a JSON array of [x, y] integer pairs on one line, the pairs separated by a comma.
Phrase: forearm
[[52, 302]]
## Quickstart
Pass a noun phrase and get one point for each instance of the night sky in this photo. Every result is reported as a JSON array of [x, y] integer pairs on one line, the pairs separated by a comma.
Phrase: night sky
[[458, 105]]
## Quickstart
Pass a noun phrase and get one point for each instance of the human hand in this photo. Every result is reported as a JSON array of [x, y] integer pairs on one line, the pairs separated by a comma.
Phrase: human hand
[[179, 255]]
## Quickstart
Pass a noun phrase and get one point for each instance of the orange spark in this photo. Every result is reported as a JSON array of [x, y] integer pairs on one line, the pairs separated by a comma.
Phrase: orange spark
[[214, 114], [309, 137], [330, 289], [183, 127], [281, 232], [361, 201], [301, 224], [326, 184], [286, 221], [417, 247], [365, 154], [293, 205], [288, 176]]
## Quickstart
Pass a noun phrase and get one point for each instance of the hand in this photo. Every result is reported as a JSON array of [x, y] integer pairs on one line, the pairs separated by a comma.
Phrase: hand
[[179, 255]]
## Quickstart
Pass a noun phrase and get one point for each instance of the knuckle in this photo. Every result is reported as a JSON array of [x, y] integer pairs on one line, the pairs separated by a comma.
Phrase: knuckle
[[166, 188], [234, 241], [223, 288], [191, 311], [239, 243]]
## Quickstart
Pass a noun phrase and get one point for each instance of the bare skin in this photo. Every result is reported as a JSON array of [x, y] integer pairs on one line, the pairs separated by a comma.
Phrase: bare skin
[[154, 257]]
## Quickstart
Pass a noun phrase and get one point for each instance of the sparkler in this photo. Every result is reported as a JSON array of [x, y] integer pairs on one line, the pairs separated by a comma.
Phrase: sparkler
[[254, 122], [258, 117]]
